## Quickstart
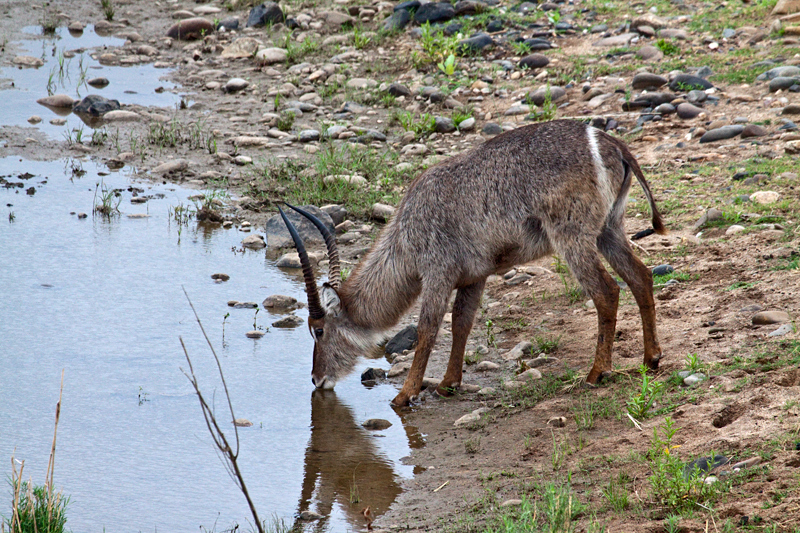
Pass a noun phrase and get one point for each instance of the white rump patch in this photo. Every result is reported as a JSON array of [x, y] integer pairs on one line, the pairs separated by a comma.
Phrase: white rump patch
[[603, 181]]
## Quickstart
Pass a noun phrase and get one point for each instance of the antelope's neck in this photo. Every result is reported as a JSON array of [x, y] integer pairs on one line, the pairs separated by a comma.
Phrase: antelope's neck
[[381, 288]]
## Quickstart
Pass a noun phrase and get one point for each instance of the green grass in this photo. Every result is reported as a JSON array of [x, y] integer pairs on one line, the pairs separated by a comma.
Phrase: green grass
[[554, 510], [38, 510], [640, 403]]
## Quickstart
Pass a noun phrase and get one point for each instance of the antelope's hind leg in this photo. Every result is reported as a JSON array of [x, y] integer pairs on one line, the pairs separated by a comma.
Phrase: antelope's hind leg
[[584, 262], [615, 248], [466, 305]]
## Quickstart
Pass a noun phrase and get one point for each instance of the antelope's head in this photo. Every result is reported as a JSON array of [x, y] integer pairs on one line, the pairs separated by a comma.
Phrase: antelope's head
[[337, 340]]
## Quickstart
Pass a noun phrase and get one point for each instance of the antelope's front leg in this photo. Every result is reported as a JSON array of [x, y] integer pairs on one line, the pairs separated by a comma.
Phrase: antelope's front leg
[[430, 319], [464, 309]]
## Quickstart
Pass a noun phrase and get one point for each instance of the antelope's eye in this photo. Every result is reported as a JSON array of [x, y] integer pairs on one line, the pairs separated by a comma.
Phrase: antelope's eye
[[318, 333]]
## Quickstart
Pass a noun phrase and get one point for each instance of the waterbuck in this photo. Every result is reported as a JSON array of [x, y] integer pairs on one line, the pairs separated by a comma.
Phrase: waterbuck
[[557, 187]]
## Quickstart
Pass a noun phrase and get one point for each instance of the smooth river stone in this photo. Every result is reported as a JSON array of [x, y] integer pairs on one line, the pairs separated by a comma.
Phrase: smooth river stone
[[770, 317], [721, 134]]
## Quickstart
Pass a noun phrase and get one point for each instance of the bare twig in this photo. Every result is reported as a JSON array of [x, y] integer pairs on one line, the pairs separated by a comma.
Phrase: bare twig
[[51, 464], [228, 453]]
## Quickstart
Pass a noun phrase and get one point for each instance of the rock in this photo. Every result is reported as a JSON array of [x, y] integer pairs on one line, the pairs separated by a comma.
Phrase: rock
[[291, 321], [254, 334], [336, 212], [190, 29], [95, 105], [469, 418], [617, 40], [788, 71], [753, 130], [278, 236], [782, 83], [408, 5], [235, 84], [28, 61], [376, 424], [763, 318], [467, 124], [398, 20], [694, 379], [688, 82], [781, 331], [241, 48], [406, 339], [289, 260], [518, 351], [373, 374], [98, 83], [382, 212], [492, 128], [398, 369], [517, 109], [269, 56], [434, 12], [529, 375], [786, 7], [791, 109], [176, 165], [536, 44], [444, 125], [310, 516], [220, 277], [539, 96], [398, 89], [229, 24], [649, 53], [58, 101], [534, 61], [34, 119], [253, 242], [334, 19], [709, 216], [688, 111], [486, 366], [474, 44], [663, 270], [121, 116], [765, 197], [721, 134], [557, 422], [646, 80], [242, 423], [266, 13], [279, 302], [734, 229], [308, 136]]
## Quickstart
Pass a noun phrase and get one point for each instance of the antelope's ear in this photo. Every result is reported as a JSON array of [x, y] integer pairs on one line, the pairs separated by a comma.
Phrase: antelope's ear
[[330, 300]]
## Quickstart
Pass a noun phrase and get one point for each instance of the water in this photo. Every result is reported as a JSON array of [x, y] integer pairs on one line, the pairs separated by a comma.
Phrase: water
[[135, 84], [102, 300]]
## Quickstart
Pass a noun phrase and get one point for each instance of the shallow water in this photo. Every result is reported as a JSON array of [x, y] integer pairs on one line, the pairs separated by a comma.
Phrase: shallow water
[[102, 300], [135, 84]]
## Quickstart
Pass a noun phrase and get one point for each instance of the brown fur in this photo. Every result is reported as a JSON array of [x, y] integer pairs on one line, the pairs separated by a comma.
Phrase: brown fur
[[525, 194]]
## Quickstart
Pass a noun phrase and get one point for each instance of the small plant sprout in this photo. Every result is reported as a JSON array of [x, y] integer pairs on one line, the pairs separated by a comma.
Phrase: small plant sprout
[[448, 66], [142, 396], [108, 9], [639, 405], [106, 201]]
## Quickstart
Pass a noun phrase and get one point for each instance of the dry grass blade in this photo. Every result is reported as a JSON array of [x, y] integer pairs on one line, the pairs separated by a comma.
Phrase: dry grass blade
[[229, 455]]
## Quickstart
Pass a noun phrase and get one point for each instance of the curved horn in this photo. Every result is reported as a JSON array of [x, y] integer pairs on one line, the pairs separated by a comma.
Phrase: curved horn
[[334, 273], [314, 307]]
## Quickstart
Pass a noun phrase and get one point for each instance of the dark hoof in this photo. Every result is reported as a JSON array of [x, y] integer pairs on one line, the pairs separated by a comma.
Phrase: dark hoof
[[447, 392], [652, 364]]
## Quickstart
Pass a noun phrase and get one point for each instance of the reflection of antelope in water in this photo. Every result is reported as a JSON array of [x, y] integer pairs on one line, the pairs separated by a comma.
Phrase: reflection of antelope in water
[[341, 457]]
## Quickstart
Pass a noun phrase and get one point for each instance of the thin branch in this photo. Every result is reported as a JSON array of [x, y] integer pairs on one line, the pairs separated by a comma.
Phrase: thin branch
[[223, 448]]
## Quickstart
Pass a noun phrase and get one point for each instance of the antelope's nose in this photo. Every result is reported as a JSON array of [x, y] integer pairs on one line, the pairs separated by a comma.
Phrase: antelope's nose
[[323, 383]]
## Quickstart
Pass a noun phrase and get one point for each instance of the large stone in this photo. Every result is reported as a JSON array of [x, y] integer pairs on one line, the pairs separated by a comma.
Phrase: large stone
[[533, 61], [397, 21], [121, 116], [240, 48], [235, 84], [191, 29], [782, 83], [688, 82], [406, 339], [434, 12], [57, 100], [382, 212], [95, 105], [376, 424], [291, 321], [269, 56], [721, 134], [646, 80], [786, 7], [266, 13], [784, 71], [474, 44], [764, 197], [688, 111], [334, 19], [253, 242], [617, 40], [279, 302], [539, 96], [770, 317], [28, 61], [753, 130], [278, 236]]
